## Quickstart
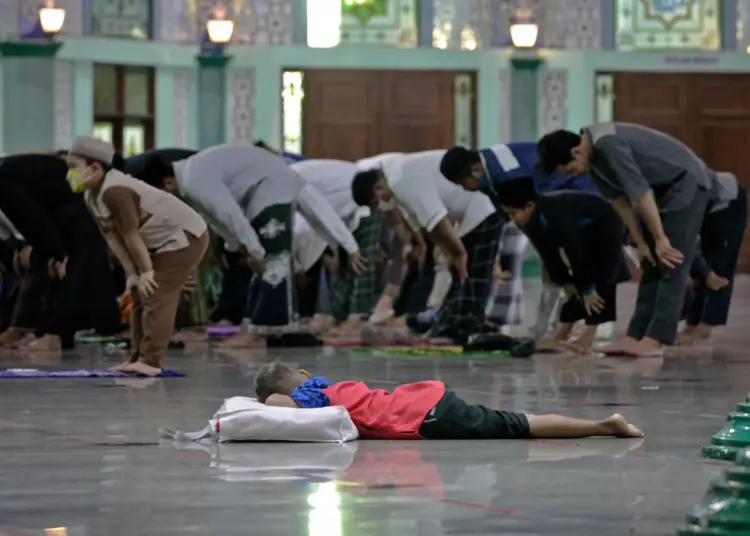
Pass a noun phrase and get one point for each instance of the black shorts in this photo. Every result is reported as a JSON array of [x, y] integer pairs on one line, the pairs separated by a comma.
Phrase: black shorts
[[452, 418]]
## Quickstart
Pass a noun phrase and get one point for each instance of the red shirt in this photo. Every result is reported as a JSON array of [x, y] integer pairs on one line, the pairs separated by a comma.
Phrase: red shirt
[[379, 414]]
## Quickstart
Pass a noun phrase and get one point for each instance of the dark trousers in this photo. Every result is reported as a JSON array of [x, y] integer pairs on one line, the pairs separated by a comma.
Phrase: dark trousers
[[721, 240], [574, 310], [660, 293], [452, 418], [86, 298], [307, 293], [417, 286], [234, 288]]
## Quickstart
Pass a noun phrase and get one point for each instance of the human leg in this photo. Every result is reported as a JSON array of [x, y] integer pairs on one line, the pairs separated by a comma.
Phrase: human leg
[[171, 270]]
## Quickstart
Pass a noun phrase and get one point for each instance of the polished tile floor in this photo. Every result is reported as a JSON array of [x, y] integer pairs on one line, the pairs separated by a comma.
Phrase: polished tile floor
[[80, 457]]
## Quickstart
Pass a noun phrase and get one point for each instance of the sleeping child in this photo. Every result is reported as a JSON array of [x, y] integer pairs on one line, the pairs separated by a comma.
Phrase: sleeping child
[[421, 410]]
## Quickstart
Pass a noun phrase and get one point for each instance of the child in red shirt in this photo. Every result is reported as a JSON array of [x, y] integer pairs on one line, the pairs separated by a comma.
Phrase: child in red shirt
[[422, 410]]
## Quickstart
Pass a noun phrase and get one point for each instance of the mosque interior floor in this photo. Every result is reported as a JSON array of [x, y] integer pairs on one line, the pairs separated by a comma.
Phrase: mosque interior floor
[[81, 457]]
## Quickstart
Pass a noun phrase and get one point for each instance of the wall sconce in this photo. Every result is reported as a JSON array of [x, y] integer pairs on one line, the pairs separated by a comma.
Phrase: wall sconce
[[51, 18], [524, 34], [219, 29]]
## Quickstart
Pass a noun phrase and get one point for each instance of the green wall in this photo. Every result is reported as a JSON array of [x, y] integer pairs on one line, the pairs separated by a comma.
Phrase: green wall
[[268, 62]]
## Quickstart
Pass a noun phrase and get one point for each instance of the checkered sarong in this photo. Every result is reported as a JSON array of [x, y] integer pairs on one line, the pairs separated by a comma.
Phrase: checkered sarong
[[505, 306], [352, 294], [463, 311]]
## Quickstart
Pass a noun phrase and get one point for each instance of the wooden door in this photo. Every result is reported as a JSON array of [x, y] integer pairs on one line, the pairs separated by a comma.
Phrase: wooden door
[[351, 114], [340, 114], [708, 112]]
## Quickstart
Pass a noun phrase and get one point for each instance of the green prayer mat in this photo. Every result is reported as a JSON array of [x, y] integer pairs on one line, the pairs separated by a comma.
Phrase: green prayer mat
[[430, 351]]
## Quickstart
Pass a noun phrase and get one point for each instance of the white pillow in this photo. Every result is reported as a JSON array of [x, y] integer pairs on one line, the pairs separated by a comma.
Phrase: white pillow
[[246, 419]]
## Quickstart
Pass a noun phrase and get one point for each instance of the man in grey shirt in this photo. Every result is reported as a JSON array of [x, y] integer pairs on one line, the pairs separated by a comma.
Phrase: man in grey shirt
[[249, 196], [654, 179]]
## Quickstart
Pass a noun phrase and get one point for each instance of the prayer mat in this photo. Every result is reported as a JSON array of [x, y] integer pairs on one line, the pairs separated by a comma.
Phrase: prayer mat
[[222, 331], [369, 343], [82, 373], [434, 351]]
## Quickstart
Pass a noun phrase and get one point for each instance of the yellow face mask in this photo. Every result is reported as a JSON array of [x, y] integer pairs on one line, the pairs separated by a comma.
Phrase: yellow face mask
[[75, 181]]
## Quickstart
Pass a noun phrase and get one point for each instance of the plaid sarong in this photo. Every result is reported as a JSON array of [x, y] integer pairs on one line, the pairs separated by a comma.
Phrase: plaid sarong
[[463, 311], [505, 306], [352, 294]]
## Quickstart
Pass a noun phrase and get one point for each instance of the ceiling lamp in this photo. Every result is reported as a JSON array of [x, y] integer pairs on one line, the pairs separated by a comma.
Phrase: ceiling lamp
[[323, 23], [52, 19], [524, 34], [220, 29]]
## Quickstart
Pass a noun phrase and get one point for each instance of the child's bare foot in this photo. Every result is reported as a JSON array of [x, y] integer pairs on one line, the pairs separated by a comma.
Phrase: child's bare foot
[[46, 343], [617, 426], [578, 346], [24, 342], [121, 367], [550, 345], [11, 336], [139, 367]]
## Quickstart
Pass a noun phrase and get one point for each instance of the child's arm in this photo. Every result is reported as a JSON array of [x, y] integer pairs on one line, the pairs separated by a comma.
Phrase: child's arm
[[281, 401]]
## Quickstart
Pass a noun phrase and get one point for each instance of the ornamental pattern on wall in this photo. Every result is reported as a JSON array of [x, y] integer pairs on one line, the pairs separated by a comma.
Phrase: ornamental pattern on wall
[[63, 102], [553, 90], [504, 107], [181, 107], [240, 105], [562, 23]]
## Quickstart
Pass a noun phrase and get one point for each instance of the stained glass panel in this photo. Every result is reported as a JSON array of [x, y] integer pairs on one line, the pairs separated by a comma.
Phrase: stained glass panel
[[133, 139], [292, 97], [464, 24], [136, 91], [105, 89], [103, 131], [463, 97], [605, 98], [668, 24], [122, 18], [388, 22]]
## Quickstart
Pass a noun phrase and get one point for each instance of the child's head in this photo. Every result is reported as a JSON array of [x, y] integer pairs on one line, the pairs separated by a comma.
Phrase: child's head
[[278, 378], [517, 198], [89, 160]]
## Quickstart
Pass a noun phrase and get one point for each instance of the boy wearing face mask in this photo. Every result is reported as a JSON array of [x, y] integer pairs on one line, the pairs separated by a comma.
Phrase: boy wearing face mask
[[158, 239], [60, 235]]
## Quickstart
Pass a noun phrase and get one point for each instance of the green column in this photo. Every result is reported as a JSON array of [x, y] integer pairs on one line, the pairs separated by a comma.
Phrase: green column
[[524, 99], [212, 95], [28, 107]]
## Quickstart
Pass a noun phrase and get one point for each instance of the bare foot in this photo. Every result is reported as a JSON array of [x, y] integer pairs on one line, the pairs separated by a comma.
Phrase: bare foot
[[617, 426], [121, 367], [46, 343], [11, 336], [139, 367], [620, 347], [23, 343], [579, 346], [224, 323], [646, 348], [550, 345], [190, 337], [243, 340]]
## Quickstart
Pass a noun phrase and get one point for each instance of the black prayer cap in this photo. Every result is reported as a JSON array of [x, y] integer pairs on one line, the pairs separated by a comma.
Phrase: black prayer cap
[[456, 162], [516, 193], [155, 171], [554, 149]]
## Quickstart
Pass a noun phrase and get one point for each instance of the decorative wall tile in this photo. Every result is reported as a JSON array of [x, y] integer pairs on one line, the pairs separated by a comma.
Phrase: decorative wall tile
[[240, 105], [255, 21], [391, 22], [462, 24], [74, 15], [63, 103], [504, 107], [121, 19], [553, 92], [8, 19], [668, 24], [181, 107], [562, 23]]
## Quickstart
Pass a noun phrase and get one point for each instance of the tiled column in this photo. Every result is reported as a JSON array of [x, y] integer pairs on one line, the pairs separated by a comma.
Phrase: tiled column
[[212, 108], [28, 95]]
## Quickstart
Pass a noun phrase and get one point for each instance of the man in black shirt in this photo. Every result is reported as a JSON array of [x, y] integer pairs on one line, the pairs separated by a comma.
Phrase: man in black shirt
[[579, 237]]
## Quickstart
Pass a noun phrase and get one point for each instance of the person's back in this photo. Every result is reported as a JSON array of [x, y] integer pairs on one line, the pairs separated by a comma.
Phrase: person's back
[[137, 164], [333, 179], [581, 208]]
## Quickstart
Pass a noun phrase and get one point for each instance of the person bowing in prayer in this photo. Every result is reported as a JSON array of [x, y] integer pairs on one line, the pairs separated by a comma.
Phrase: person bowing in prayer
[[158, 239], [249, 197], [60, 233], [654, 178], [578, 235], [464, 224]]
